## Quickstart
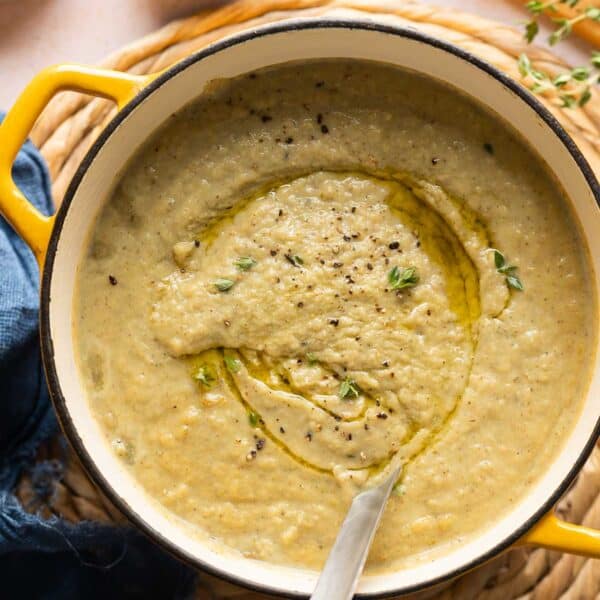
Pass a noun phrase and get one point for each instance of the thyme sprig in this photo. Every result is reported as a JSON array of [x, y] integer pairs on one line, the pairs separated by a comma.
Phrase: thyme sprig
[[509, 271], [403, 277], [573, 86]]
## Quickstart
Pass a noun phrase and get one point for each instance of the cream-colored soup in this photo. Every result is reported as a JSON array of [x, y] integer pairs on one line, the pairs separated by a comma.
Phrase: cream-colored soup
[[294, 288]]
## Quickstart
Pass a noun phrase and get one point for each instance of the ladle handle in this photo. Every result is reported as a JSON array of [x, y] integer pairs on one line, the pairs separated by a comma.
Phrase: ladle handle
[[346, 559]]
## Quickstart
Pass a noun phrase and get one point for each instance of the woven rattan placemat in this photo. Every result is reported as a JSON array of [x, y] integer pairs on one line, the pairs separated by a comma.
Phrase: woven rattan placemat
[[72, 121]]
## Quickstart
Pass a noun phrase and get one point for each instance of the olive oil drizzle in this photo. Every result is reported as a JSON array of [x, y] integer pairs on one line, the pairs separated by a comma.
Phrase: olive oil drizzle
[[285, 385], [235, 391], [408, 202], [441, 244], [215, 360], [443, 247]]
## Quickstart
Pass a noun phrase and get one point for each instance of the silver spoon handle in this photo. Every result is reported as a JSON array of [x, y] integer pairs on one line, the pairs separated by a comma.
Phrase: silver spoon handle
[[346, 560]]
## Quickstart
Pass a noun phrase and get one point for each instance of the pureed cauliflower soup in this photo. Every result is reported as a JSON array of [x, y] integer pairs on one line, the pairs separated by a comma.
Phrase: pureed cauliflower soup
[[317, 272]]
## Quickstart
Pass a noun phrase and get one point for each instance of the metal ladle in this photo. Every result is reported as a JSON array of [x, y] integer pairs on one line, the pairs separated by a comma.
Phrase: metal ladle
[[346, 560]]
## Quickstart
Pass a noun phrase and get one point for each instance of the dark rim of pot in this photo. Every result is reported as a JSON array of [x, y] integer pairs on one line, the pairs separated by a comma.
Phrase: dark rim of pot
[[47, 344]]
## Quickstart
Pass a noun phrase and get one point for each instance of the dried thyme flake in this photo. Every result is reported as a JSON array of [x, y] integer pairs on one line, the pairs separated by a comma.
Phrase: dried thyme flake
[[203, 375], [224, 285], [233, 364], [123, 449], [294, 260], [312, 359], [399, 489], [244, 263], [348, 389]]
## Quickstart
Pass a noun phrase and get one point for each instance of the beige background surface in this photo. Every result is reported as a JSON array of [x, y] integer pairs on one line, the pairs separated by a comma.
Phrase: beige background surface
[[37, 33]]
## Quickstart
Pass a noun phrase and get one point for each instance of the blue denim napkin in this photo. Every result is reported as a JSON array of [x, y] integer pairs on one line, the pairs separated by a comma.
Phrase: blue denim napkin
[[54, 559]]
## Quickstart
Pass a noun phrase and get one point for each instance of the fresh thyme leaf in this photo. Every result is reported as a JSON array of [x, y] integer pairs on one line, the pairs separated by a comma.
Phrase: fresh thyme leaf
[[593, 12], [585, 97], [524, 65], [562, 32], [349, 389], [233, 364], [224, 284], [568, 100], [531, 30], [405, 277], [499, 260], [535, 7], [294, 260], [244, 263], [253, 418], [509, 271], [514, 282], [595, 60], [580, 73], [312, 359], [562, 79], [538, 75], [203, 375]]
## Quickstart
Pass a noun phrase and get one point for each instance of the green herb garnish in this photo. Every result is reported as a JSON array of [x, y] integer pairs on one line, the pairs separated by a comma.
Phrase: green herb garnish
[[403, 277], [574, 86], [224, 284], [349, 389], [399, 489], [203, 375], [509, 271], [253, 418], [233, 364], [312, 359], [294, 260], [244, 263]]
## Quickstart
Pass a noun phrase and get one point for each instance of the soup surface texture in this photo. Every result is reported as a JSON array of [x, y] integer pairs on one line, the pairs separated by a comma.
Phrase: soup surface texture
[[294, 288]]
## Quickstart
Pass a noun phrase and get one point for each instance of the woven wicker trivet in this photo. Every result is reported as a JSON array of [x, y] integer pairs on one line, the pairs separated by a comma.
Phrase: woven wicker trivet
[[70, 124]]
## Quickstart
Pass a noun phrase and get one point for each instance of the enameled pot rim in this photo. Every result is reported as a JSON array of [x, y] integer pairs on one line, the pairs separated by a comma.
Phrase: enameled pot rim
[[47, 343]]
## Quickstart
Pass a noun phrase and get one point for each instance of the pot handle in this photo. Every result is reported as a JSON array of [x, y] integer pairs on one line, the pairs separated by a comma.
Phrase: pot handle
[[27, 221], [552, 533]]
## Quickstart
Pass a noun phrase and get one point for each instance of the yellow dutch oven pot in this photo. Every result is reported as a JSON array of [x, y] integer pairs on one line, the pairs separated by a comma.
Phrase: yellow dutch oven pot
[[145, 103]]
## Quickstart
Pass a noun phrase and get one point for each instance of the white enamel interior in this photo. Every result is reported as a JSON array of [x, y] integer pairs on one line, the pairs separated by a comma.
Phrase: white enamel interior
[[278, 47]]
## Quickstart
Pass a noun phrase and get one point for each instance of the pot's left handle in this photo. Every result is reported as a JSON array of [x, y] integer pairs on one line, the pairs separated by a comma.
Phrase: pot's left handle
[[28, 222]]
